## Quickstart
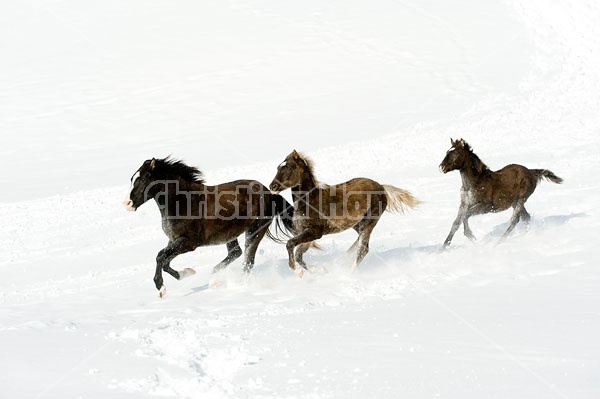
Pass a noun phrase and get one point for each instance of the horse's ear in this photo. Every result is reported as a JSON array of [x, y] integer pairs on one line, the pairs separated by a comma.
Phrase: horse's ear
[[462, 143], [451, 141], [295, 154], [153, 164]]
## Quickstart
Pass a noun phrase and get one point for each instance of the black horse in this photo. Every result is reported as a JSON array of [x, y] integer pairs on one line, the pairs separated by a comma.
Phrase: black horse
[[484, 190], [195, 214]]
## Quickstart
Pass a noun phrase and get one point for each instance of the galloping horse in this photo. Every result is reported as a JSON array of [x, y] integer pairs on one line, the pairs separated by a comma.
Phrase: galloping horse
[[195, 214], [321, 209], [486, 191]]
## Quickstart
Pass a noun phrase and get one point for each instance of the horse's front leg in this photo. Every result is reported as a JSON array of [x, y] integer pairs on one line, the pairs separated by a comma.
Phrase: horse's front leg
[[462, 210], [163, 262], [300, 251], [306, 236], [467, 229]]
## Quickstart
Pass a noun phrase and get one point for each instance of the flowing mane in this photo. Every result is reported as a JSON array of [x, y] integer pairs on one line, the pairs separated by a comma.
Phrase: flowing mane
[[174, 167], [311, 167], [476, 161]]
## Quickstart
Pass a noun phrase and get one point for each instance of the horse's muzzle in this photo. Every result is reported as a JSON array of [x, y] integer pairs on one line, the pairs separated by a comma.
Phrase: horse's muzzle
[[275, 187], [128, 204], [442, 169]]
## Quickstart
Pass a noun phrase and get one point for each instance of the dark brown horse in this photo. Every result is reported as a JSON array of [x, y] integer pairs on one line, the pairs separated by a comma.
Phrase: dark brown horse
[[321, 209], [195, 214], [486, 191]]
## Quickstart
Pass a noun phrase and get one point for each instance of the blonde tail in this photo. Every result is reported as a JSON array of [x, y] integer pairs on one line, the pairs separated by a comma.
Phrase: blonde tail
[[399, 199]]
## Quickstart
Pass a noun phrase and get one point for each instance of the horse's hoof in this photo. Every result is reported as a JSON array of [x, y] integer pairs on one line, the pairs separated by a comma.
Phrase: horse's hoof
[[213, 283], [299, 272], [162, 292], [186, 273]]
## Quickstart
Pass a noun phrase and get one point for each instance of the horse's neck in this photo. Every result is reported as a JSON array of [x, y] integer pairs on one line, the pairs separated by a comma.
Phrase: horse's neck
[[468, 180], [301, 194], [162, 203], [309, 183], [470, 172], [297, 195]]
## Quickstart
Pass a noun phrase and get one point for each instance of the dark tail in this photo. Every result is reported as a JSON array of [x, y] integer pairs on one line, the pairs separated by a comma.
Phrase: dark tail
[[283, 215], [546, 174]]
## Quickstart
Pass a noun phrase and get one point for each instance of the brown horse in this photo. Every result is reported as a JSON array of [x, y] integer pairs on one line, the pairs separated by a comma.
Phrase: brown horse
[[195, 214], [321, 209], [486, 191]]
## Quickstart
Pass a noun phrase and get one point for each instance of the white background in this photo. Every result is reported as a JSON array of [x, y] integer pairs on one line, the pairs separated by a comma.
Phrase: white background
[[89, 90]]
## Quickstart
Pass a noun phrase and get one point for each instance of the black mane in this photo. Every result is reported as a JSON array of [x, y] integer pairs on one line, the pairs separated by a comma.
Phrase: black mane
[[476, 161], [177, 168]]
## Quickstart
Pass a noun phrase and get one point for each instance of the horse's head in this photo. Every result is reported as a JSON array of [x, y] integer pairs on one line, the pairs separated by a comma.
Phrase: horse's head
[[154, 176], [142, 187], [456, 156], [289, 172]]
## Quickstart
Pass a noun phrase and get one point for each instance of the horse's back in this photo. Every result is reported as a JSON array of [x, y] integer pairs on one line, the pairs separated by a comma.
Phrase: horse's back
[[243, 199], [231, 208], [516, 174], [241, 184], [360, 184], [513, 168], [356, 195], [511, 183], [353, 199]]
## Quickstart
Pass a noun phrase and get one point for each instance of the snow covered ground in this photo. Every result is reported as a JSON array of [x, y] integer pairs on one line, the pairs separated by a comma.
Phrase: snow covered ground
[[89, 90]]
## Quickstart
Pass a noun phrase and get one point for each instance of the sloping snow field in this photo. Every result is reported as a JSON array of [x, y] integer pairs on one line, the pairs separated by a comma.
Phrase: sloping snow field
[[89, 90]]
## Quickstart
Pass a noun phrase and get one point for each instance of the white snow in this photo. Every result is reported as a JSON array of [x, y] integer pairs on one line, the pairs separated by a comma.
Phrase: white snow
[[89, 90]]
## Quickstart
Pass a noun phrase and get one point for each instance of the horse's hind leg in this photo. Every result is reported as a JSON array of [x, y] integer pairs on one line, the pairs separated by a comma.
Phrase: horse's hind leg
[[300, 251], [363, 241], [164, 258], [525, 216], [514, 219], [358, 228], [233, 252], [254, 235]]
